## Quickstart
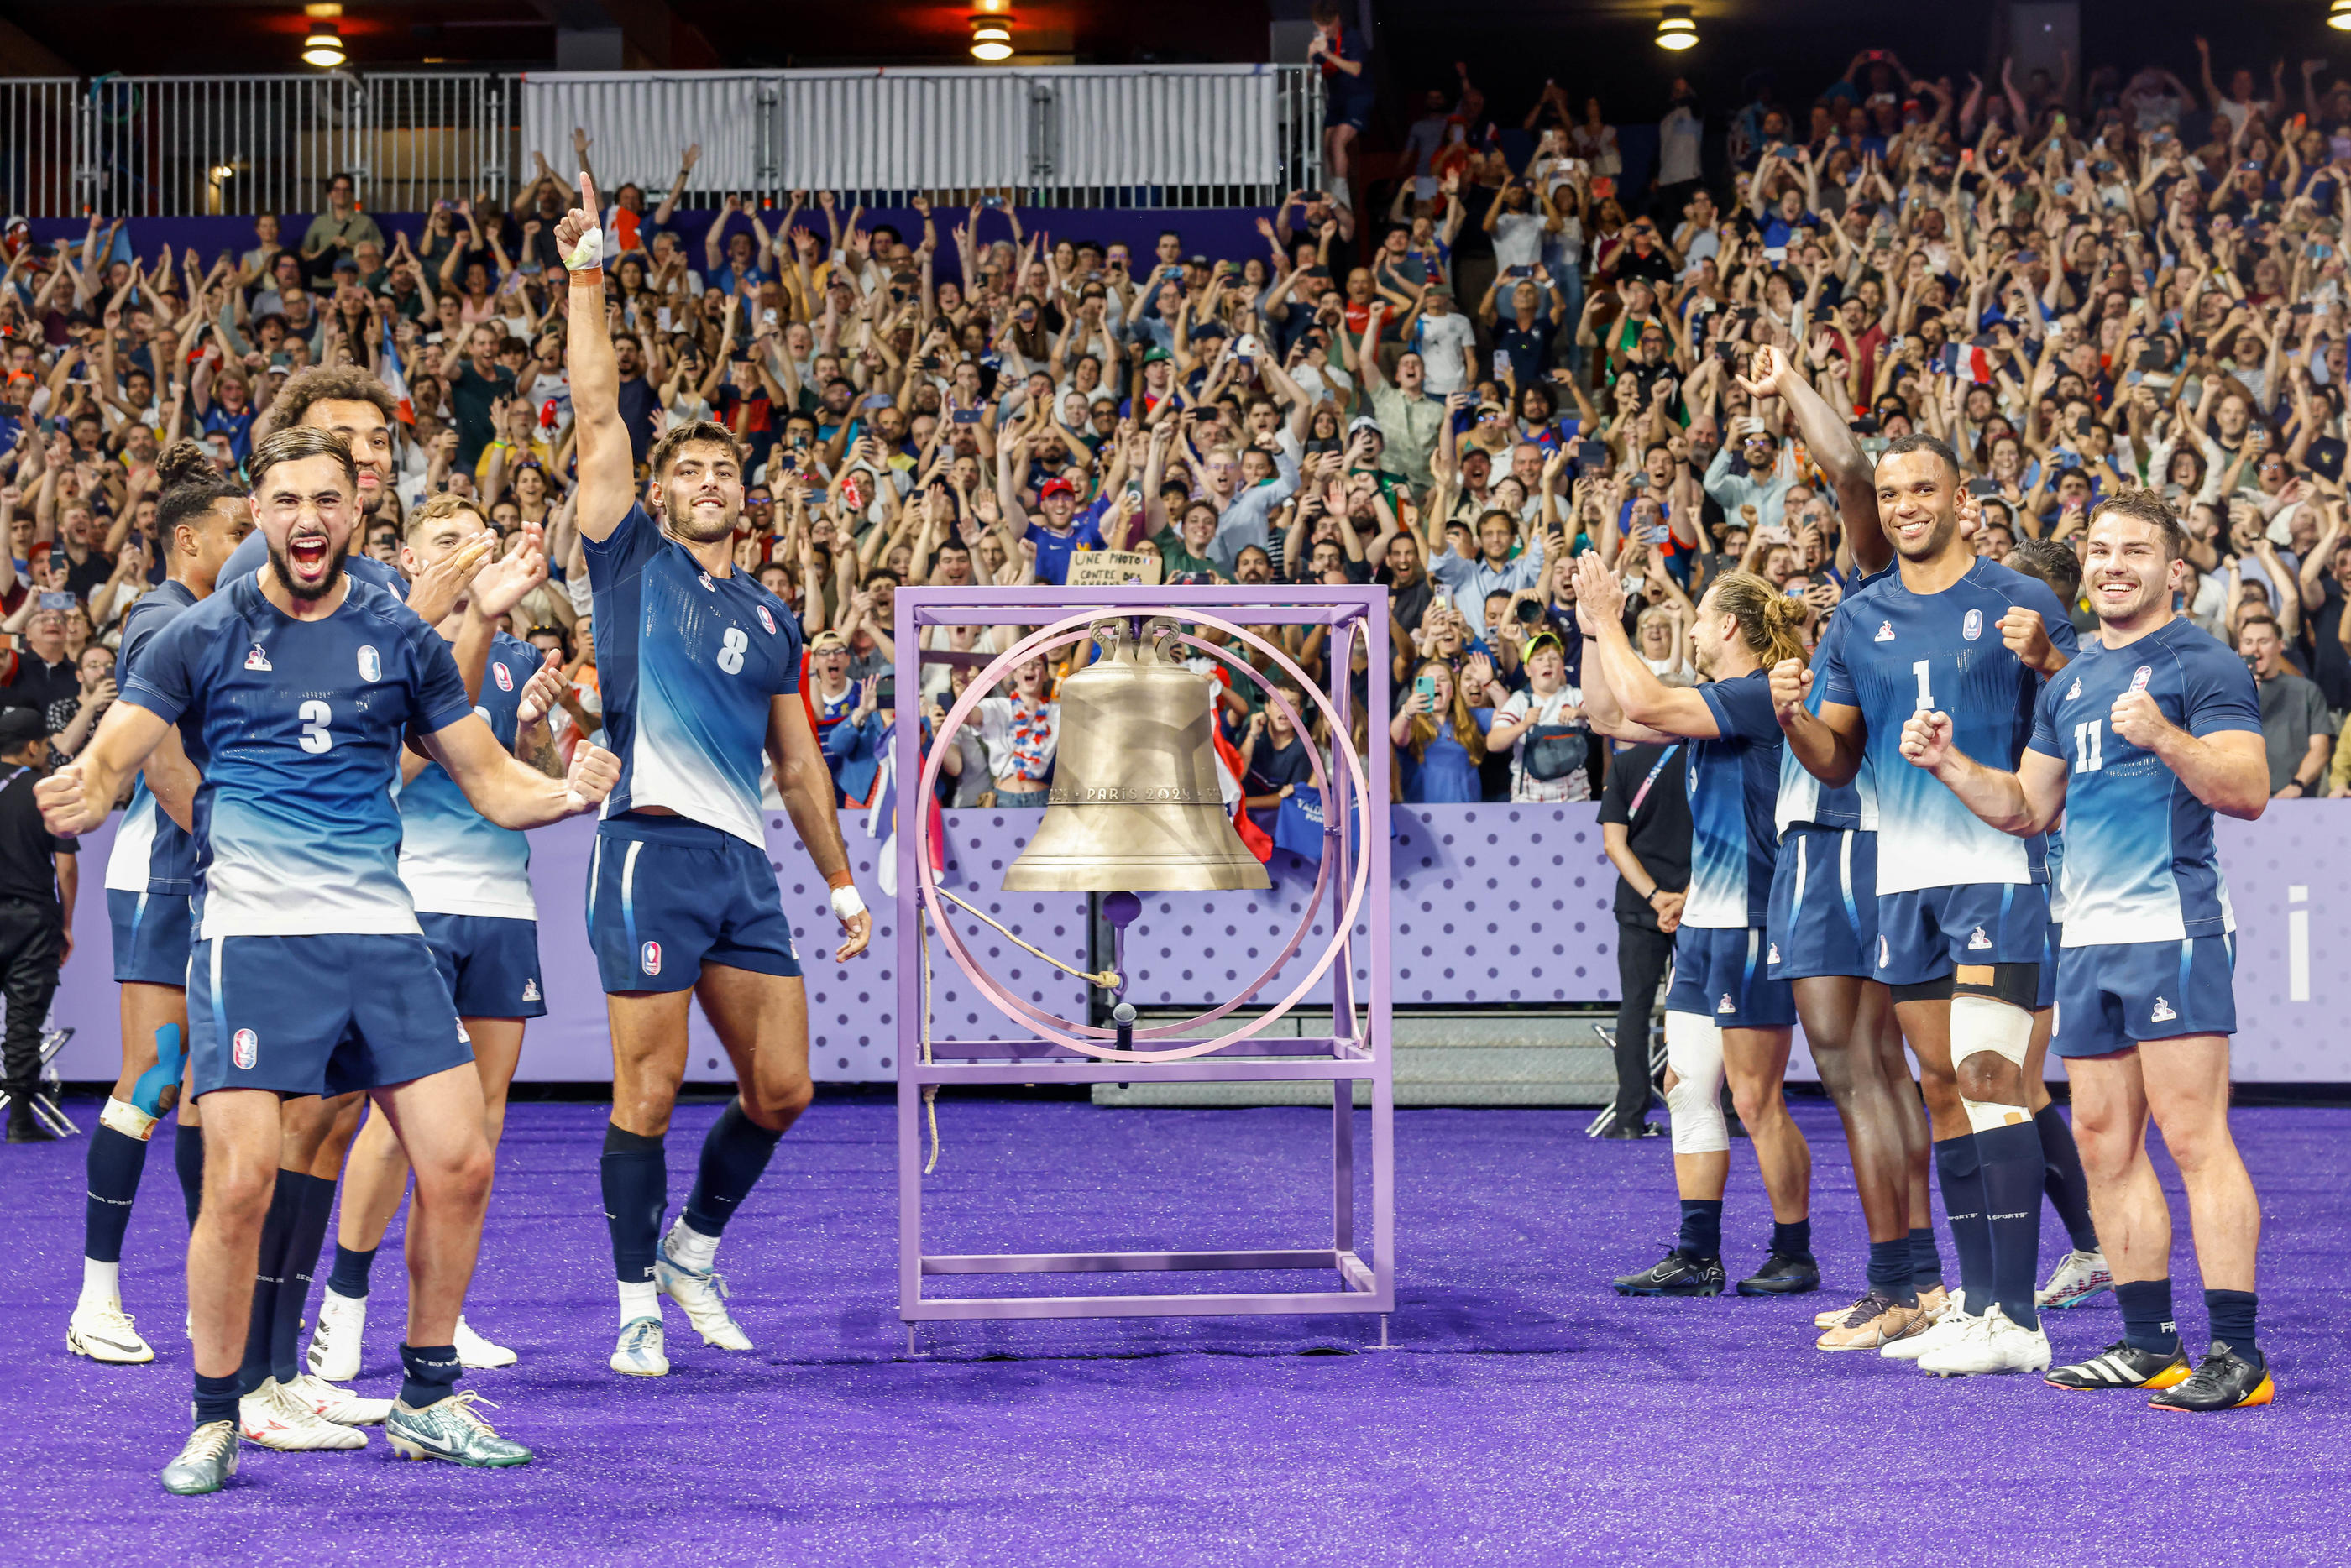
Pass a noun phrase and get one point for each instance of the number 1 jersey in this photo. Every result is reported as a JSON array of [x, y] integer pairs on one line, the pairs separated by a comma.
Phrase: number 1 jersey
[[688, 663], [1893, 653]]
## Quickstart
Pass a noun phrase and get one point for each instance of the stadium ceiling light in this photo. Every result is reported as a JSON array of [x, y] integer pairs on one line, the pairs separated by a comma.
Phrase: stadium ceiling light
[[1678, 30], [2339, 15], [324, 46], [991, 36]]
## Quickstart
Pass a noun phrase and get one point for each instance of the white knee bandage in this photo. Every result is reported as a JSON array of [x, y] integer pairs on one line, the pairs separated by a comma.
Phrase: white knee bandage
[[127, 1119], [1980, 1026], [1694, 1052]]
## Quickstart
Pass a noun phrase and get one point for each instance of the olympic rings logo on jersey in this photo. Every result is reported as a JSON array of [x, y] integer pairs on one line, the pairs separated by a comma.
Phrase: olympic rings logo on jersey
[[246, 1045], [371, 666], [1973, 628], [766, 620], [505, 677]]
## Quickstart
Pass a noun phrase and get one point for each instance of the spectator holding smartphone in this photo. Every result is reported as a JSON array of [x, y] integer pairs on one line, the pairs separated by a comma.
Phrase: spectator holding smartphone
[[1545, 729]]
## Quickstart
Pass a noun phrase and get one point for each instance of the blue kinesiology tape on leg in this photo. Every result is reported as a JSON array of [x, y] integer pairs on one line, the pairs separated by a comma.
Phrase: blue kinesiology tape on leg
[[147, 1093]]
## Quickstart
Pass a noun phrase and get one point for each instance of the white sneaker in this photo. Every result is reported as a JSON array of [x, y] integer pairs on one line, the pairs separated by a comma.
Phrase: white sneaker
[[703, 1294], [1994, 1344], [341, 1405], [103, 1331], [334, 1353], [1947, 1326], [268, 1416], [2078, 1278], [641, 1353], [474, 1352]]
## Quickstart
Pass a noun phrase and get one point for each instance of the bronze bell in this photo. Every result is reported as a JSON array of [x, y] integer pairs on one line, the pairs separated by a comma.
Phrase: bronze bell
[[1135, 804]]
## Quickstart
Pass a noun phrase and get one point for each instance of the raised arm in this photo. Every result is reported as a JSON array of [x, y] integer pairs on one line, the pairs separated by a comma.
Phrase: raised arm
[[1627, 701], [607, 472]]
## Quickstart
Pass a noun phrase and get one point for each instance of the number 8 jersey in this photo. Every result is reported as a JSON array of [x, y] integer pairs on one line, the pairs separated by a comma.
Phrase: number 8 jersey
[[1893, 653], [687, 662]]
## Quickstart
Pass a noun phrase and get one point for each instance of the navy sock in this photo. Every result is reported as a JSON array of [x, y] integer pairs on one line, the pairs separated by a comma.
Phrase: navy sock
[[1702, 1236], [304, 1241], [1925, 1259], [1959, 1171], [2146, 1315], [2061, 1178], [2012, 1187], [215, 1398], [116, 1161], [269, 1269], [1793, 1239], [350, 1279], [432, 1370], [2232, 1322], [188, 1159], [1889, 1271], [734, 1155], [636, 1195]]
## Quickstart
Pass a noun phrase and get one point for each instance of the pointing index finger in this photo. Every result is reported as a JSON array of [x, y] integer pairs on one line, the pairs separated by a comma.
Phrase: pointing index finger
[[588, 196]]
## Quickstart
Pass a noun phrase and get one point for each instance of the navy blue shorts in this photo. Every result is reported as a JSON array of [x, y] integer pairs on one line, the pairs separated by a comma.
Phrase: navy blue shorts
[[666, 896], [2112, 998], [151, 937], [1351, 108], [2047, 996], [1928, 932], [1823, 919], [1720, 973], [489, 962], [318, 1015]]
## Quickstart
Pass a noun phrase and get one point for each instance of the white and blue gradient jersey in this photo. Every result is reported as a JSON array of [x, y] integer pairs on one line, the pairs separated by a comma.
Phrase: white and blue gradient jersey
[[251, 554], [296, 728], [1734, 783], [2053, 857], [455, 860], [1805, 799], [688, 663], [1892, 653], [2140, 865], [152, 853]]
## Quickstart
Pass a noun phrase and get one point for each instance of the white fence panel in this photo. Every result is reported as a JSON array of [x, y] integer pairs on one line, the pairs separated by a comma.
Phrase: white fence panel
[[1195, 126], [640, 122], [903, 130], [36, 145]]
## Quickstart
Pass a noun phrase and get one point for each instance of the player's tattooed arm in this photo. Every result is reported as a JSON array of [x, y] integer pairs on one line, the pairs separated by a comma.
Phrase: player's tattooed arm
[[2022, 803], [534, 736]]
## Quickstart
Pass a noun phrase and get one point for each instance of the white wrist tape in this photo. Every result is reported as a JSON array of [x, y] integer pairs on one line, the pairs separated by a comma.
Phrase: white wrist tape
[[847, 903], [589, 253]]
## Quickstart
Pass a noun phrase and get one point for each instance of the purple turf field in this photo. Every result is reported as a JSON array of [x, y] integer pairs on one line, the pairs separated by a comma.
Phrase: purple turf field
[[1526, 1415]]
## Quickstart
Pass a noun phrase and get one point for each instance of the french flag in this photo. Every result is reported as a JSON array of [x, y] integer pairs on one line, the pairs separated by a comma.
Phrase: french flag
[[394, 380], [882, 822]]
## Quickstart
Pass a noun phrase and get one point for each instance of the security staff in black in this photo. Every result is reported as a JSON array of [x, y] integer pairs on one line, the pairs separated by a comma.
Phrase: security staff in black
[[36, 896], [1644, 825]]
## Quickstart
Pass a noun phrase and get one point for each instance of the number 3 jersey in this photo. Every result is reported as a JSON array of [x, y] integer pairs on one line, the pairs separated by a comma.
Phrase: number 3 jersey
[[2140, 865], [455, 860], [1893, 653], [688, 663], [297, 727]]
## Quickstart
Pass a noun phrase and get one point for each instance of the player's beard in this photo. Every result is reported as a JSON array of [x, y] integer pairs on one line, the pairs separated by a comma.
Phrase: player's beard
[[1938, 538], [679, 515], [326, 585], [2148, 594]]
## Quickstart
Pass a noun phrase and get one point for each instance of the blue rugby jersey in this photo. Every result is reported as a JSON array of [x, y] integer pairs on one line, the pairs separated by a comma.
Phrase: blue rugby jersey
[[455, 860], [1734, 785], [297, 727], [687, 663], [2141, 866], [152, 853], [1893, 653]]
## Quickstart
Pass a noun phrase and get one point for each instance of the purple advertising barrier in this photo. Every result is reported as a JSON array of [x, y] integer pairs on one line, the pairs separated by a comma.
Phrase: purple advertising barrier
[[1505, 904]]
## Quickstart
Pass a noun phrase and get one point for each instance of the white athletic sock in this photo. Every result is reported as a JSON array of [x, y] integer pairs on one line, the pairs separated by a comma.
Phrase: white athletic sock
[[101, 1283], [689, 1248], [638, 1298]]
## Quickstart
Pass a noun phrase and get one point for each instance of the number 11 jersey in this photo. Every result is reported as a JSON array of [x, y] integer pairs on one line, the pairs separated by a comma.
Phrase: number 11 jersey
[[687, 662], [1893, 653]]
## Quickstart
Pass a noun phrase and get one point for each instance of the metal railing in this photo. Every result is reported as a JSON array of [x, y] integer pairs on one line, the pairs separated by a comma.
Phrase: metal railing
[[175, 146]]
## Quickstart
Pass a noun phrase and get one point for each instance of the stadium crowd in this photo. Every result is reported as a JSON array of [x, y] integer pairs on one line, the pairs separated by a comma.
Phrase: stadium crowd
[[1449, 381]]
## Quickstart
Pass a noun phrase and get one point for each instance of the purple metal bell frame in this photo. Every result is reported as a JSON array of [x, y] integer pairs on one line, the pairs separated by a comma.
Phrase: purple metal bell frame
[[1046, 1049]]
